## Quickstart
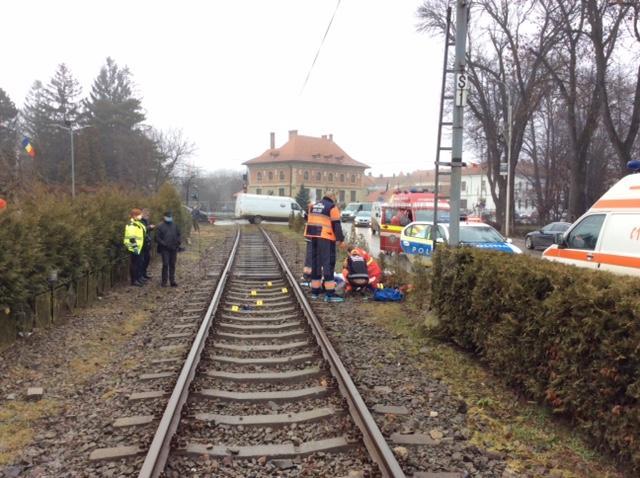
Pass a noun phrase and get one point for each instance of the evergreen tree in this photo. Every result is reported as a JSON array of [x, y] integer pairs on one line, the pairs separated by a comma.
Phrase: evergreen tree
[[116, 114], [8, 142], [302, 198], [47, 110]]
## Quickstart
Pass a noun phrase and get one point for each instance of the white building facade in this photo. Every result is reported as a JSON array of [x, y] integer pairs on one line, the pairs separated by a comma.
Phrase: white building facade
[[475, 193]]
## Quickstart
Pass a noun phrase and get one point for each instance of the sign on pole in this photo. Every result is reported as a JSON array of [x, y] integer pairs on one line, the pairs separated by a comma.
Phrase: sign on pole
[[462, 88]]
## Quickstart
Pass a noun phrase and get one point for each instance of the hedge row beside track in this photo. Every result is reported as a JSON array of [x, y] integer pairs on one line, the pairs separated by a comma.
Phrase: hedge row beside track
[[565, 336], [47, 232]]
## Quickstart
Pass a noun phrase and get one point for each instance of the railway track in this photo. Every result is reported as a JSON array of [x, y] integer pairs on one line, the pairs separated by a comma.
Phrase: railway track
[[262, 390]]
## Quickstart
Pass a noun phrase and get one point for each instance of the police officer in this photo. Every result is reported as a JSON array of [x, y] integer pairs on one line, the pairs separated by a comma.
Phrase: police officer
[[324, 229], [134, 233], [168, 239]]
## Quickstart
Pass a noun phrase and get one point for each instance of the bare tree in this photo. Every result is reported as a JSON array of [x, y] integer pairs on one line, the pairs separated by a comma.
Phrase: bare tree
[[606, 19], [501, 71], [172, 149]]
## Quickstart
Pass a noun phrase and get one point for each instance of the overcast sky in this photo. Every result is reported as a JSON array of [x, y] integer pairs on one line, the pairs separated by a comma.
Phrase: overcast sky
[[227, 72]]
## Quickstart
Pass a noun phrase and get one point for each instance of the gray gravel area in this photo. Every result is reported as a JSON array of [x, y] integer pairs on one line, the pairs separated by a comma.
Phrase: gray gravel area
[[86, 408]]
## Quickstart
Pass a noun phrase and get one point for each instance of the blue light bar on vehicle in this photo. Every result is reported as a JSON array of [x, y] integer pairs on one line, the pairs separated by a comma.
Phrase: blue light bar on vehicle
[[634, 165]]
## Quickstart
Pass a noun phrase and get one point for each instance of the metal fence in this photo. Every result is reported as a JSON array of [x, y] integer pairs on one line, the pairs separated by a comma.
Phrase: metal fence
[[50, 307]]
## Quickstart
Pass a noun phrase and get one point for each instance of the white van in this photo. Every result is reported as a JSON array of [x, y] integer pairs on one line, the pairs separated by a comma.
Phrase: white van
[[607, 236], [256, 207]]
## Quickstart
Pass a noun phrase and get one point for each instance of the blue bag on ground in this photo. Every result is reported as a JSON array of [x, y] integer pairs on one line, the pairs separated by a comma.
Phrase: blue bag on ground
[[388, 295]]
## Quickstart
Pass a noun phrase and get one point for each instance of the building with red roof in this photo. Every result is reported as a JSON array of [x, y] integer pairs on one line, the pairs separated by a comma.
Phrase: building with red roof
[[317, 163]]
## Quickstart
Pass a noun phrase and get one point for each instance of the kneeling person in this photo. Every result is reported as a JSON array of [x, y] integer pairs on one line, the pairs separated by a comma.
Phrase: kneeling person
[[371, 269]]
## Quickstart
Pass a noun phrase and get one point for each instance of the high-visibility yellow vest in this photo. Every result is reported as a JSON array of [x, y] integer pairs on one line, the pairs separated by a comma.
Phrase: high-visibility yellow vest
[[134, 233]]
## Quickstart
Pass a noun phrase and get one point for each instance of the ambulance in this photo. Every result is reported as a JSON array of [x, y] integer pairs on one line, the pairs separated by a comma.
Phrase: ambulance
[[607, 236]]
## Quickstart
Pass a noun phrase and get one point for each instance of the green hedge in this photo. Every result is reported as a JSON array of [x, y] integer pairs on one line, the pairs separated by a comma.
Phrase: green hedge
[[565, 336], [46, 231]]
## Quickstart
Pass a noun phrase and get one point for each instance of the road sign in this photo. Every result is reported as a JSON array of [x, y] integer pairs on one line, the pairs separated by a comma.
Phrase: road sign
[[504, 168], [462, 88]]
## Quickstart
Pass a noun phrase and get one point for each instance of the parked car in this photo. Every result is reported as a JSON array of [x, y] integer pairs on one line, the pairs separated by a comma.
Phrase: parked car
[[349, 213], [362, 219], [545, 236], [607, 236], [417, 238], [256, 207]]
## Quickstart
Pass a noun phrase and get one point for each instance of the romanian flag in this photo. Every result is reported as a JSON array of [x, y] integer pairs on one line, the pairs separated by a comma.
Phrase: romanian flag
[[26, 144]]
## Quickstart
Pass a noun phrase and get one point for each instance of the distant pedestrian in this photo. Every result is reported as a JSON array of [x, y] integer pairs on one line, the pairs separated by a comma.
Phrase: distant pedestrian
[[195, 216], [134, 233], [168, 240], [146, 249]]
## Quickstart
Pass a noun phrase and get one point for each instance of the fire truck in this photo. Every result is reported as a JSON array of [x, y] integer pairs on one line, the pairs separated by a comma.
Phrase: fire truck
[[404, 208]]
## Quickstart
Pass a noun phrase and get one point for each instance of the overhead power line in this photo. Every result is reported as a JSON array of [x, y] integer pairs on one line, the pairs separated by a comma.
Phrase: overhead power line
[[320, 47]]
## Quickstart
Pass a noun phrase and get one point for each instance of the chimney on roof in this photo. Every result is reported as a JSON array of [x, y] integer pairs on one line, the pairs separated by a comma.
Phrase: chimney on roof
[[293, 133], [331, 137], [273, 140]]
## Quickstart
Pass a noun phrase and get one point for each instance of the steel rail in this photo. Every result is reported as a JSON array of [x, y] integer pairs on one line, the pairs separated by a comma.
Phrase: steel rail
[[160, 448], [374, 441]]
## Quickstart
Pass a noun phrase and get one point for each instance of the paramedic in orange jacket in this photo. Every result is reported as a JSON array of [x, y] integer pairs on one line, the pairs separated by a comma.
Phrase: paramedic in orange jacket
[[324, 230], [373, 269]]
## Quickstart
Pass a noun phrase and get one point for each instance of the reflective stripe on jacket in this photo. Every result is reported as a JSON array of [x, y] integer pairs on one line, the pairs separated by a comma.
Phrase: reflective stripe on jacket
[[373, 268], [324, 221], [134, 233]]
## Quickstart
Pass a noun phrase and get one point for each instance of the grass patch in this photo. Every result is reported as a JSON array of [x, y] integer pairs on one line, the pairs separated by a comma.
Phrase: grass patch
[[499, 420], [16, 425]]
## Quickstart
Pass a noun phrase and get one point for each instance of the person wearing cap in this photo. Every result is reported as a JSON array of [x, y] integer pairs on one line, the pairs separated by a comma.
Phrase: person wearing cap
[[325, 231], [134, 233], [168, 240]]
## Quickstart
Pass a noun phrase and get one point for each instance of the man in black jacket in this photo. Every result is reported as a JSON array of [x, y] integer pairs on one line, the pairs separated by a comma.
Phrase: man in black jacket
[[168, 239]]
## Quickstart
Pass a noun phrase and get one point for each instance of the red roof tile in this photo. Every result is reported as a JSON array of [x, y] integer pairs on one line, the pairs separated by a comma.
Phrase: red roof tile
[[307, 149]]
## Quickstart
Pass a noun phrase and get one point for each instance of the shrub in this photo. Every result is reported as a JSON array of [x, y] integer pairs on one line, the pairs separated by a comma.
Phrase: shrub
[[565, 336], [47, 231]]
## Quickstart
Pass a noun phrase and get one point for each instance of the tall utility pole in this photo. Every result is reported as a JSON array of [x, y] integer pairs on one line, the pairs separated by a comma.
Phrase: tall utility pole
[[507, 213], [462, 21]]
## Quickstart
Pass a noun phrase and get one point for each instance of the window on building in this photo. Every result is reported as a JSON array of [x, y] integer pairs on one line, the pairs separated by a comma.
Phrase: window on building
[[353, 178], [353, 196], [270, 175], [318, 176], [341, 196], [282, 178], [519, 203], [342, 178], [306, 176], [463, 186], [258, 191], [281, 192], [259, 177], [526, 204], [483, 185], [463, 205], [330, 177], [318, 194]]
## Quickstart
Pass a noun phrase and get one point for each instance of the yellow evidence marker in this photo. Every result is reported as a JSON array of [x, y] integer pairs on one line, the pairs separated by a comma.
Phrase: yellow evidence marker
[[269, 284], [235, 308], [285, 290], [254, 292], [259, 302]]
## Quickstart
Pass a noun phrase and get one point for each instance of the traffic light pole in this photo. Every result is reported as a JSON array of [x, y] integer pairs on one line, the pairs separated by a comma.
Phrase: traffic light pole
[[462, 21]]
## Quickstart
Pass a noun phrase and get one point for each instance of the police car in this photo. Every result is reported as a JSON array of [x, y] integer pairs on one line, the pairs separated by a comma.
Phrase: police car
[[417, 238]]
